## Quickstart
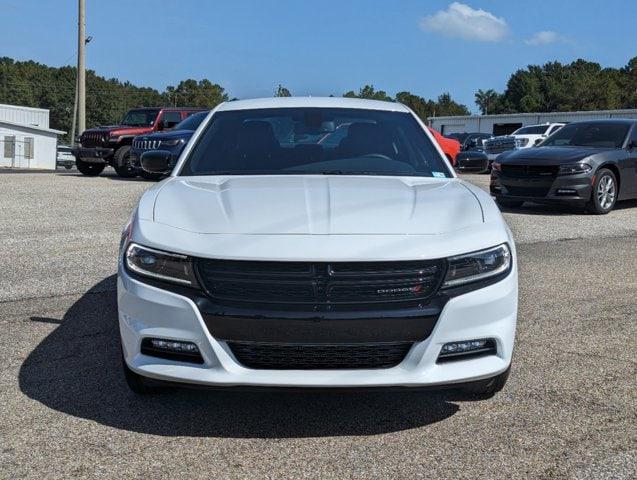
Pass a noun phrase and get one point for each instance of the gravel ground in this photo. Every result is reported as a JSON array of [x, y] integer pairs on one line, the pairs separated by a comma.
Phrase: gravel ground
[[568, 410]]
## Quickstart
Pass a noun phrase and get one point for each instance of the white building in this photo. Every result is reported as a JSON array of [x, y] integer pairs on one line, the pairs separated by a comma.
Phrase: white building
[[507, 123], [26, 141]]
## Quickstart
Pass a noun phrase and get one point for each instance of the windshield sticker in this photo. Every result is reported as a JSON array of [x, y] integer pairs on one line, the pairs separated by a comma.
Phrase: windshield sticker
[[438, 174]]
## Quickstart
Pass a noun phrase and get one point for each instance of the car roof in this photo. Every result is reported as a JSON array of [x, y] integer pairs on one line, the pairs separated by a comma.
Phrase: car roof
[[623, 121], [312, 102]]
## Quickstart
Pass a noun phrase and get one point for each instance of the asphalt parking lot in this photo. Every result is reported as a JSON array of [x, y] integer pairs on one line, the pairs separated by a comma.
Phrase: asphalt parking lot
[[568, 410]]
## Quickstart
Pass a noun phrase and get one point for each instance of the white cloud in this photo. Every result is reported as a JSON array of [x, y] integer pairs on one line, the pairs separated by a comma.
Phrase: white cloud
[[544, 37], [462, 21]]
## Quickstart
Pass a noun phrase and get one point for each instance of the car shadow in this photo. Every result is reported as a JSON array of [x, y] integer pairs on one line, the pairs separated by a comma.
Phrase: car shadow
[[560, 210], [76, 370]]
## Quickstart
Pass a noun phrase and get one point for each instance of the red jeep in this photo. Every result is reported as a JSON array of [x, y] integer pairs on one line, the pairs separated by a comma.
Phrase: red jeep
[[110, 145]]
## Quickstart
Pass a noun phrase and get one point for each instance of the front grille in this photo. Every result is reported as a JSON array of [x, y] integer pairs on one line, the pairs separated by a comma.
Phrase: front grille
[[528, 191], [529, 171], [146, 144], [318, 282], [298, 356], [93, 139], [499, 145]]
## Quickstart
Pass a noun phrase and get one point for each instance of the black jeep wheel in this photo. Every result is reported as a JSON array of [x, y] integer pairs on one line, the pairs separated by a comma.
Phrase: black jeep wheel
[[89, 169], [122, 162]]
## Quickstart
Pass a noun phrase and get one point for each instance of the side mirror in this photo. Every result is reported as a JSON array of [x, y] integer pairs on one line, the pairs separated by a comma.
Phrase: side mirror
[[156, 161], [632, 145]]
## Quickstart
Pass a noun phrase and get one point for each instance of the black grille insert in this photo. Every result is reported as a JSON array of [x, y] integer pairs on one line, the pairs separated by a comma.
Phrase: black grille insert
[[319, 282], [297, 356], [93, 139], [529, 171]]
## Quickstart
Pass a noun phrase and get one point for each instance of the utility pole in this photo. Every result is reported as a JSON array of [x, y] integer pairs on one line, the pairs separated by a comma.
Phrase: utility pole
[[74, 115], [81, 67]]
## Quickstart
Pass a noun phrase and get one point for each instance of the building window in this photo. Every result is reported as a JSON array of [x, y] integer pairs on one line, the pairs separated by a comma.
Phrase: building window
[[28, 148], [9, 146]]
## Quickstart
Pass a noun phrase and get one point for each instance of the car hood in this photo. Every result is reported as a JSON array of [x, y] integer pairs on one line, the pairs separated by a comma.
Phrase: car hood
[[548, 155], [169, 135], [315, 205], [119, 130]]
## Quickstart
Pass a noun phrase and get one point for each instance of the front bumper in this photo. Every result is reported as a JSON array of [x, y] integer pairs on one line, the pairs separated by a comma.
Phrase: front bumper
[[148, 311], [564, 189], [93, 154], [136, 158]]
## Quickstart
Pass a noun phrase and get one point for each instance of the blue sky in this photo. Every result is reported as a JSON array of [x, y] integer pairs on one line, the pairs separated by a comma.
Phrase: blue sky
[[321, 48]]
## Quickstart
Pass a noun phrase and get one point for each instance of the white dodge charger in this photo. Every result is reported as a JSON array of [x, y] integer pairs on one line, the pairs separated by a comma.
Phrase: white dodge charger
[[320, 243]]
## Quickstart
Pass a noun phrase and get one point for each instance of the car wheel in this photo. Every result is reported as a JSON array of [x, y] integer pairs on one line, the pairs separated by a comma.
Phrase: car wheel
[[149, 175], [89, 169], [506, 203], [604, 194], [136, 383], [487, 388], [122, 162]]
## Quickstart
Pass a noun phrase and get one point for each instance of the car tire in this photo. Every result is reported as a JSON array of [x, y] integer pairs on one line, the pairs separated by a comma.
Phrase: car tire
[[136, 383], [487, 388], [506, 203], [604, 194], [150, 176], [89, 169], [122, 162]]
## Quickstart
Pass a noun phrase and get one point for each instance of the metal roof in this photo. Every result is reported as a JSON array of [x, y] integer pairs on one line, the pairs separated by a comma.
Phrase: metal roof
[[535, 114], [32, 127]]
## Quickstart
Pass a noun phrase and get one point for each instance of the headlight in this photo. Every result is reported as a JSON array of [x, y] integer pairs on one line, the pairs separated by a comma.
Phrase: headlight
[[521, 142], [171, 143], [574, 168], [149, 262], [476, 266]]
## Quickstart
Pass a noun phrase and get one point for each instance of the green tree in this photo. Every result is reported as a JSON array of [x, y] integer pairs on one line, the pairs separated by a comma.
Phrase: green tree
[[447, 106], [369, 93], [421, 107], [580, 85], [489, 102], [281, 91], [193, 93]]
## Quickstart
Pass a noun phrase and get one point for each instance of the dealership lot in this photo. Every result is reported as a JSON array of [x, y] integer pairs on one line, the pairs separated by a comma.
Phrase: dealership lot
[[567, 411]]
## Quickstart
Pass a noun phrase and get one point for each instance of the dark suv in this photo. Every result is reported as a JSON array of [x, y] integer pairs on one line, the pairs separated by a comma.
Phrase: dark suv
[[172, 141], [110, 145]]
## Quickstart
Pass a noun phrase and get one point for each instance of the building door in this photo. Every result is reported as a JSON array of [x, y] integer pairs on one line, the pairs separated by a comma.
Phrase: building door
[[8, 150]]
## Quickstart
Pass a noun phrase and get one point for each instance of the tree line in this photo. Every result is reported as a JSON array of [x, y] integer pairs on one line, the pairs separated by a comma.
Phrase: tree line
[[33, 84], [557, 87], [580, 85]]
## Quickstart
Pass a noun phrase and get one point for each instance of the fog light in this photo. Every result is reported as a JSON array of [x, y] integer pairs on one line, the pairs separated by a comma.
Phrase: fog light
[[467, 348], [174, 346], [172, 350]]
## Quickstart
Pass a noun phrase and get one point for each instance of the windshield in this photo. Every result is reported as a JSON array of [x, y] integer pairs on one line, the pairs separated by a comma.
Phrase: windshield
[[315, 141], [599, 135], [192, 122], [140, 118], [532, 130]]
